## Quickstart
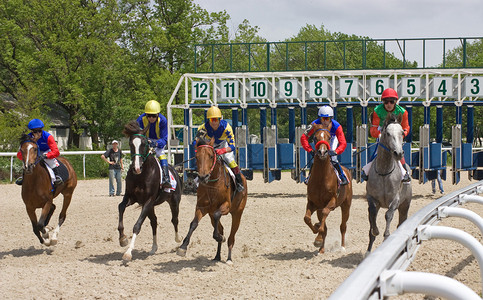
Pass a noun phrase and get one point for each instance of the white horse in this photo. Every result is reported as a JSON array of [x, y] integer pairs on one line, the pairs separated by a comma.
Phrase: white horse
[[384, 187]]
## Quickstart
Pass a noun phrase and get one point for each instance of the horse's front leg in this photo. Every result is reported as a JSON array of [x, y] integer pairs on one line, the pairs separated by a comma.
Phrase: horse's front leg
[[182, 249], [44, 219], [123, 240], [217, 233], [322, 234], [373, 230], [33, 220], [389, 215], [147, 207], [308, 216]]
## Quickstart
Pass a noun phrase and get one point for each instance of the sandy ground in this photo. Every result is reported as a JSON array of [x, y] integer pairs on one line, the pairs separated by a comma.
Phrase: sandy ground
[[274, 256]]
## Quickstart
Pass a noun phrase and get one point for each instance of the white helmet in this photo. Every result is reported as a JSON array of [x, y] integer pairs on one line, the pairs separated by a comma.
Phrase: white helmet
[[326, 111]]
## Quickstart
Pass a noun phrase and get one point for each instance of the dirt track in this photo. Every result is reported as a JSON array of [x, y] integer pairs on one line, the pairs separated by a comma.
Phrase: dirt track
[[274, 256]]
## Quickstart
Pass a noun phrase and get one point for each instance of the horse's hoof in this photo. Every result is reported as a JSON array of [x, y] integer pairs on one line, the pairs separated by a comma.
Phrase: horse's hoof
[[342, 249], [53, 242], [153, 250], [318, 243], [181, 252], [123, 241], [229, 262], [47, 242], [127, 257], [367, 254]]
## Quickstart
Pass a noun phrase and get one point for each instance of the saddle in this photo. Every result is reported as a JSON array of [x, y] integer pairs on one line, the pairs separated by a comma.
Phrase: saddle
[[63, 172]]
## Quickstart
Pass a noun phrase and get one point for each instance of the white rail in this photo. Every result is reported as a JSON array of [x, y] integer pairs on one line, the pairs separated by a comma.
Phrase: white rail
[[382, 273]]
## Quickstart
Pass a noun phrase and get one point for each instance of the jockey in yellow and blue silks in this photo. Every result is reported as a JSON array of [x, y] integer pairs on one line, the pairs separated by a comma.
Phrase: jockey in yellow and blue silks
[[157, 135], [224, 144]]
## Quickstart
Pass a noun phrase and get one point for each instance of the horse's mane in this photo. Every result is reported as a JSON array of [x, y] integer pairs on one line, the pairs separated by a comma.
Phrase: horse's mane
[[202, 141], [25, 138], [131, 128], [391, 118]]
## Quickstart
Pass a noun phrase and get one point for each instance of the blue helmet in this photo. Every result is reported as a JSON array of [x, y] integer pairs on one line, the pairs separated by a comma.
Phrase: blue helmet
[[35, 123]]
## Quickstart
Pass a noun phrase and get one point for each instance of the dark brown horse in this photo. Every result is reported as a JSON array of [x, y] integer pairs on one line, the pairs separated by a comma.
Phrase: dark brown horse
[[216, 196], [323, 191], [143, 187], [38, 192]]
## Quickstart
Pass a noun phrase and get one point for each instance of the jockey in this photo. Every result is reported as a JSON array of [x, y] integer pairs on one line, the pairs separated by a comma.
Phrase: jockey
[[224, 144], [47, 150], [157, 135], [337, 140], [389, 104]]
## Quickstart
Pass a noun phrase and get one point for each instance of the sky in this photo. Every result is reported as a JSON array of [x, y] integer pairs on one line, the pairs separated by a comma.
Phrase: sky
[[376, 19]]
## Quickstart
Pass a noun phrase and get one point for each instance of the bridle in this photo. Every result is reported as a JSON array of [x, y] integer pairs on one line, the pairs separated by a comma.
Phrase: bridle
[[214, 157], [317, 145], [38, 159], [146, 149]]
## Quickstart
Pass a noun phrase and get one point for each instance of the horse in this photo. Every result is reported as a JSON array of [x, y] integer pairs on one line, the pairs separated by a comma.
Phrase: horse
[[216, 196], [384, 187], [323, 191], [143, 187], [39, 192]]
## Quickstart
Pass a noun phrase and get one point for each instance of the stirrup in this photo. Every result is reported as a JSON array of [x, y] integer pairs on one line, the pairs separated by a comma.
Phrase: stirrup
[[19, 181], [239, 187], [344, 181], [58, 180], [406, 178], [166, 185]]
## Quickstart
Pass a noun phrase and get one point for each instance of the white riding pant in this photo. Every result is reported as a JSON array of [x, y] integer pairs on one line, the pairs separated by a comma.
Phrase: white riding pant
[[52, 163], [367, 167], [228, 157]]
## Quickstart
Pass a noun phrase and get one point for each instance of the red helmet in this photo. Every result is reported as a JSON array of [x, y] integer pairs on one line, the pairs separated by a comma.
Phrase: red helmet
[[389, 93]]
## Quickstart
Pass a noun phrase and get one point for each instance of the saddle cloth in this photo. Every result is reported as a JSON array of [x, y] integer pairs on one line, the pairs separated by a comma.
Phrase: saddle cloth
[[63, 172], [172, 180]]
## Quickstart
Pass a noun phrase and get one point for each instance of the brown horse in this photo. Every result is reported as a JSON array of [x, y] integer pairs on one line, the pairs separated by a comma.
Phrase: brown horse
[[143, 187], [38, 192], [216, 196], [323, 191]]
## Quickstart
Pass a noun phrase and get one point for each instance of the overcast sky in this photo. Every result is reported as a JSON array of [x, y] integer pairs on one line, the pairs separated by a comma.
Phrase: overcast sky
[[377, 19]]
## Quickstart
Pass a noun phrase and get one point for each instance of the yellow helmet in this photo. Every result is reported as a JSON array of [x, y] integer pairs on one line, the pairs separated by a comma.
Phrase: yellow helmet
[[152, 107], [213, 112]]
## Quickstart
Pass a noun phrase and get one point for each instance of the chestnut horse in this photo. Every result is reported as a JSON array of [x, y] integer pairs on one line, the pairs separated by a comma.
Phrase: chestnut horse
[[143, 187], [323, 191], [38, 191], [216, 196]]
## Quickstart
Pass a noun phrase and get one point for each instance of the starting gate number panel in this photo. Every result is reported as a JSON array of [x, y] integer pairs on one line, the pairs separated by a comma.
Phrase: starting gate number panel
[[319, 88]]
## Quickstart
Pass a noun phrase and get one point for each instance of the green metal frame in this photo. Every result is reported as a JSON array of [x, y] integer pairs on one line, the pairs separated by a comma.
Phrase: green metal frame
[[322, 55]]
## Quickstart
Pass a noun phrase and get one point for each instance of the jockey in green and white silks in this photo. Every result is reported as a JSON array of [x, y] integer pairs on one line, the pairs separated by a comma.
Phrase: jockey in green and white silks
[[157, 135]]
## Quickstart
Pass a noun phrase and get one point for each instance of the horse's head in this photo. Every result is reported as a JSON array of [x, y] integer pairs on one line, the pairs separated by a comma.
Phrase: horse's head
[[205, 158], [29, 150], [138, 144], [392, 136], [322, 139]]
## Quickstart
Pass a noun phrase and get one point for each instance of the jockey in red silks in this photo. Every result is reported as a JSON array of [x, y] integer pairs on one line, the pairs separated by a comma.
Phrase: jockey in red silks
[[389, 104], [337, 140], [48, 149]]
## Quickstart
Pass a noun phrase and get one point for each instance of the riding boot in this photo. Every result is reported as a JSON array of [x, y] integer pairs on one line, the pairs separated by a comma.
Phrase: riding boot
[[364, 176], [342, 177], [19, 181], [406, 177], [239, 183], [58, 180], [166, 183]]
